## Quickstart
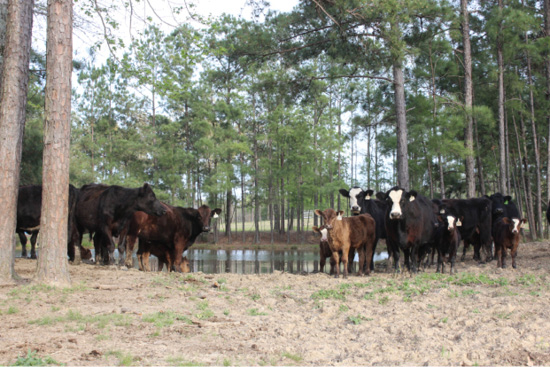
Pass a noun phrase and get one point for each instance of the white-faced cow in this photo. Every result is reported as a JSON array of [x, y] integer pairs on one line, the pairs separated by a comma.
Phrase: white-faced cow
[[363, 202], [446, 240], [410, 225], [506, 234]]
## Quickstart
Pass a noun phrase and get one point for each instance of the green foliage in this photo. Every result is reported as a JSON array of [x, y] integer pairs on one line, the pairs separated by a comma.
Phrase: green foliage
[[31, 359]]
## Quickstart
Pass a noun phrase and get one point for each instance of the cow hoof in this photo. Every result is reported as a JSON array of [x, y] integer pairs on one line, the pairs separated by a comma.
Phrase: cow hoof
[[503, 266], [33, 256], [514, 266]]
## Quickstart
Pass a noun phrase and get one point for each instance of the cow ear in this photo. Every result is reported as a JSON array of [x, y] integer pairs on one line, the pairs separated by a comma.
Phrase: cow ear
[[507, 198], [144, 188], [368, 194], [340, 213], [522, 222], [316, 229], [215, 213], [505, 220], [412, 195], [459, 221], [318, 213], [380, 196], [344, 193]]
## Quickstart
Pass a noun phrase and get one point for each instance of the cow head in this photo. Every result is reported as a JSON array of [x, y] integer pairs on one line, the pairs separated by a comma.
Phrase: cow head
[[398, 199], [329, 216], [147, 202], [356, 196], [205, 215], [515, 224], [323, 231]]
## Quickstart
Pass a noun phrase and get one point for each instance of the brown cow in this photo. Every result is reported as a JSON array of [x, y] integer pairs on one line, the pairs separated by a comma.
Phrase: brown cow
[[325, 251], [358, 232], [177, 230], [506, 234]]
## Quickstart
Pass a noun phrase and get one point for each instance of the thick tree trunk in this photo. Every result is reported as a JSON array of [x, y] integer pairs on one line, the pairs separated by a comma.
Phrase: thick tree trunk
[[468, 102], [3, 27], [13, 102], [400, 109], [52, 262]]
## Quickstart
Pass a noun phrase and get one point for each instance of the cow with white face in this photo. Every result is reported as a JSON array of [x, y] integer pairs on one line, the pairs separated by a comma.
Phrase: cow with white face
[[363, 202], [410, 223], [506, 234], [446, 240]]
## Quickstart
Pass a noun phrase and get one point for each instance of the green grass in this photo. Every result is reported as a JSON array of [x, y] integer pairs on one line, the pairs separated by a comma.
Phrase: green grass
[[124, 359], [255, 312], [163, 319], [329, 294], [292, 356], [101, 321], [31, 359], [180, 361]]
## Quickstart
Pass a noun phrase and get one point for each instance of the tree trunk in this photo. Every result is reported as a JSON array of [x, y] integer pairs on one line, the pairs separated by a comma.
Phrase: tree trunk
[[468, 102], [402, 153], [13, 102], [547, 63], [3, 27], [52, 262], [501, 131]]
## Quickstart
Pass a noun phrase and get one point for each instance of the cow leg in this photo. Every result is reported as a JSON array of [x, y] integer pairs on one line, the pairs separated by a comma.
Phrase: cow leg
[[145, 258], [332, 265], [439, 261], [34, 236], [345, 255], [513, 253], [351, 262], [322, 262], [369, 264], [504, 254], [130, 243], [23, 240], [97, 247], [336, 258], [464, 249]]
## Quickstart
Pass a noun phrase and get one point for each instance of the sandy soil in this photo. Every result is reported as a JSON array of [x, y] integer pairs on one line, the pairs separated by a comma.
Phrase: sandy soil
[[481, 316]]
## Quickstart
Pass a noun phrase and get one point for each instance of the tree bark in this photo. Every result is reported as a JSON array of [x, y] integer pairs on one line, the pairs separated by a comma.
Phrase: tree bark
[[400, 109], [468, 102], [52, 262], [3, 26], [547, 64], [13, 101], [501, 129]]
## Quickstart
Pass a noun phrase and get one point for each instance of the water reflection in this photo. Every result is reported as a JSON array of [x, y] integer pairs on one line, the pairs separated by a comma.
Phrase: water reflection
[[252, 261], [259, 261]]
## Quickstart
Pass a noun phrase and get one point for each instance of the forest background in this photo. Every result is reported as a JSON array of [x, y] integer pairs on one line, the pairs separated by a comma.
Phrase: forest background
[[268, 116]]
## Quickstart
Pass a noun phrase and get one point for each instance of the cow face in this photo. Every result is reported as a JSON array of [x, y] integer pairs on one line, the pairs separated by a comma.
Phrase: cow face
[[398, 199], [329, 216], [147, 202], [206, 214], [323, 231], [451, 223], [517, 225], [356, 197]]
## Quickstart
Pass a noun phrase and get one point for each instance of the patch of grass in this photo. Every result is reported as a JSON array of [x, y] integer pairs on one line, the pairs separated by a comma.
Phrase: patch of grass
[[292, 356], [344, 308], [527, 280], [226, 362], [444, 320], [356, 320], [504, 315], [226, 312], [124, 359], [472, 279], [99, 320], [329, 293], [255, 312], [12, 310], [383, 300], [180, 361], [31, 359], [162, 319], [255, 296]]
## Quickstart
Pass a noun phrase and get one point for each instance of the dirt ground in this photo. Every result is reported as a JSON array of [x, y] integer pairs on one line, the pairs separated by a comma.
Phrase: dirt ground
[[110, 316]]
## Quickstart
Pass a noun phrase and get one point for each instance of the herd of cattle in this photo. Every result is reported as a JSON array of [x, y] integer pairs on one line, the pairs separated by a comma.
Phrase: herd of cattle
[[408, 221], [105, 212], [417, 226]]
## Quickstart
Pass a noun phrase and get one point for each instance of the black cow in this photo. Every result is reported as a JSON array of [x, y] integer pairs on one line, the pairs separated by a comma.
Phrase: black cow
[[105, 210], [548, 213], [362, 202], [29, 206], [476, 225], [410, 223]]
